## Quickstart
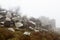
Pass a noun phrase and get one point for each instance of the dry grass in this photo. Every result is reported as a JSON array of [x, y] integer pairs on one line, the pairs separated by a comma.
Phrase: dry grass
[[18, 35]]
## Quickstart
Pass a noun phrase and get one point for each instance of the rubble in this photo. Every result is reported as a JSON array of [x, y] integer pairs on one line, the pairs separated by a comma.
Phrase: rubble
[[11, 29], [18, 24], [26, 33]]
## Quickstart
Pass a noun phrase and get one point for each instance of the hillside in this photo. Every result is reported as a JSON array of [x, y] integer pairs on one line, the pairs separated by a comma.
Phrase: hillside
[[18, 35], [14, 26]]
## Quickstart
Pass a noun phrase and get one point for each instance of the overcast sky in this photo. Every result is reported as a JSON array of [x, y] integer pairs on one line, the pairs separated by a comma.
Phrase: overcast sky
[[36, 8]]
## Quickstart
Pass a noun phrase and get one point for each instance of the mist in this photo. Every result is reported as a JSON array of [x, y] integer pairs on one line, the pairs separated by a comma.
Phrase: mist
[[29, 20], [35, 8]]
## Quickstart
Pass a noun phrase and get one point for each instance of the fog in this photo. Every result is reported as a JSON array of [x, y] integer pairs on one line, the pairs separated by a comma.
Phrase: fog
[[35, 8]]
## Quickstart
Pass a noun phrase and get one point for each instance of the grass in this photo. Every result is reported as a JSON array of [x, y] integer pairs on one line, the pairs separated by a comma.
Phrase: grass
[[18, 35]]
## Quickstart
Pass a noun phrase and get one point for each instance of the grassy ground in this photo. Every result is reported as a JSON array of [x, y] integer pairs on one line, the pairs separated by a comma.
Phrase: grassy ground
[[18, 35]]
